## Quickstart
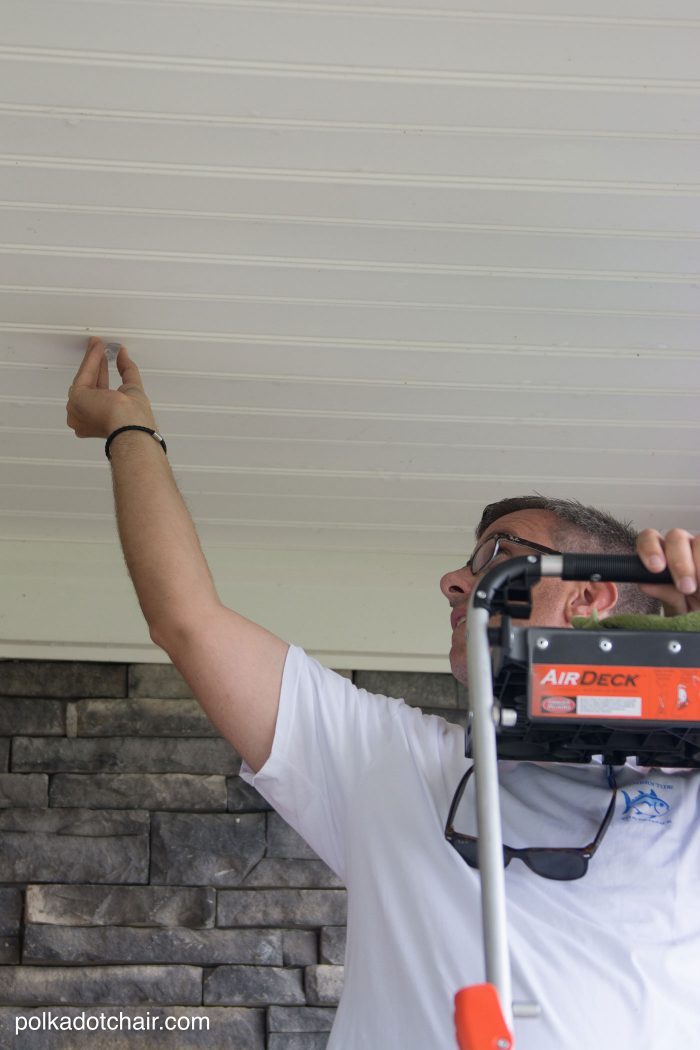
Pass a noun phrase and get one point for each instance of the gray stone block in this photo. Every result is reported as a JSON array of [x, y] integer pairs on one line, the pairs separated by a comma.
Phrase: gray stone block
[[134, 906], [242, 798], [300, 1019], [283, 840], [106, 945], [10, 919], [10, 954], [22, 717], [83, 822], [57, 679], [286, 908], [141, 718], [333, 945], [123, 755], [253, 986], [4, 755], [71, 720], [162, 680], [420, 689], [218, 849], [299, 947], [73, 846], [324, 984], [174, 791], [107, 985], [24, 790], [302, 874], [298, 1041], [212, 1028], [10, 911]]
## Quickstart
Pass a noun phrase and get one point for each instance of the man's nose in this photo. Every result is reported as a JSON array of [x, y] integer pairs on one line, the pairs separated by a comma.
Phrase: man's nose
[[457, 583]]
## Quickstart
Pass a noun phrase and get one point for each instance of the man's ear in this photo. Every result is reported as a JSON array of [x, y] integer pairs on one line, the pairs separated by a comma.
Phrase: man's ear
[[585, 596]]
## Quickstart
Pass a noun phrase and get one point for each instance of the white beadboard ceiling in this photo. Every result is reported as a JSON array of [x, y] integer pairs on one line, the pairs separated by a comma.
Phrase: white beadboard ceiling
[[379, 265]]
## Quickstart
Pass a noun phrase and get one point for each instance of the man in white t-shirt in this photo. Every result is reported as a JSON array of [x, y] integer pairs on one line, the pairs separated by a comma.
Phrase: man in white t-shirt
[[612, 957]]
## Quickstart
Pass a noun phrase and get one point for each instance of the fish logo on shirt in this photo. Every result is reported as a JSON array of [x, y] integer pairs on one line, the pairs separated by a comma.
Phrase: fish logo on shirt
[[647, 805]]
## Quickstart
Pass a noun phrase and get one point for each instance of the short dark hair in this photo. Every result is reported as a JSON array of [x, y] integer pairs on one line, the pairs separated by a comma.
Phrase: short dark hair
[[581, 530]]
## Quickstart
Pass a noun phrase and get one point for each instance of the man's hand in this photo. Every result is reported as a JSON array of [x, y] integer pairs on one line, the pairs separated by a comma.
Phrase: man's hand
[[680, 552], [96, 411]]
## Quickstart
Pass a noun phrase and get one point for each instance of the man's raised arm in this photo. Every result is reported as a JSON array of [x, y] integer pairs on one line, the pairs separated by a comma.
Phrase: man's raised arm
[[233, 666]]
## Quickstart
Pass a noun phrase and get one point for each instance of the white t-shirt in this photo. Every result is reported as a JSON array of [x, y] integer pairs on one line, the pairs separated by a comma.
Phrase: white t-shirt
[[612, 958]]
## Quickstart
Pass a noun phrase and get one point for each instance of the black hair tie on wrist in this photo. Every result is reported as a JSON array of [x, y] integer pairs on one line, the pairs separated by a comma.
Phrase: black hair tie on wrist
[[153, 433]]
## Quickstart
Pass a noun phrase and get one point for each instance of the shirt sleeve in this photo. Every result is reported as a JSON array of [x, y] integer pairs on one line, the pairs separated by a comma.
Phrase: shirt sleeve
[[327, 733]]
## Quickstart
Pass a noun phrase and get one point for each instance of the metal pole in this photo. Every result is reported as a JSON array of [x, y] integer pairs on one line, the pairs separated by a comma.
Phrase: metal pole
[[488, 811]]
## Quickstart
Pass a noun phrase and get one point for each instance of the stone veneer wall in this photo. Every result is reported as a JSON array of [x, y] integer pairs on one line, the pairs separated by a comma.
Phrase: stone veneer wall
[[140, 876]]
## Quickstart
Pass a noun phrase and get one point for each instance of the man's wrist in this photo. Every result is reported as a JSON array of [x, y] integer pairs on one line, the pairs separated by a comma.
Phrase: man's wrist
[[133, 419]]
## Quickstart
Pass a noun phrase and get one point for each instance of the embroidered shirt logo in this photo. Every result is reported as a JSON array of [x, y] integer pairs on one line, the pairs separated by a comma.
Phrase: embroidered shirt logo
[[646, 805]]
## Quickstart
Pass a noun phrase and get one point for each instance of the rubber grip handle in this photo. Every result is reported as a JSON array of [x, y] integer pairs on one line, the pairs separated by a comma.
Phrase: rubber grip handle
[[619, 568], [479, 1020]]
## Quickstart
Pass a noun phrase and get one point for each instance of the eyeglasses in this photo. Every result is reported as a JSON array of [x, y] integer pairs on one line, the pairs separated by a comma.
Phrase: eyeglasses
[[487, 551], [555, 862]]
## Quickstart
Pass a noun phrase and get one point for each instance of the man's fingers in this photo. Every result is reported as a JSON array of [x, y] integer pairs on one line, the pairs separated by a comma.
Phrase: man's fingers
[[128, 370], [94, 370], [674, 603], [103, 377], [679, 550], [650, 548], [89, 370], [683, 558]]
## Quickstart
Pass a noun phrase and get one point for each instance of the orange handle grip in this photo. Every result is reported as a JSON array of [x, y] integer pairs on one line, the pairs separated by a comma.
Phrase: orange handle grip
[[479, 1020]]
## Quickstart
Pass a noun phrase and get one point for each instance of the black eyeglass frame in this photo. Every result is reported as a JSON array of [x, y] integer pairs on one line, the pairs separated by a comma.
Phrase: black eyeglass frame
[[584, 853], [498, 536]]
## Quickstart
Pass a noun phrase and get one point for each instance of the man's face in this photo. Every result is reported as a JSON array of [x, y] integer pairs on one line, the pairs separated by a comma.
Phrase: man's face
[[549, 596]]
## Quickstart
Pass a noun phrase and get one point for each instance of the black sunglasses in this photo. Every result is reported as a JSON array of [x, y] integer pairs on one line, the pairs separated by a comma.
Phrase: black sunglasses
[[489, 549], [549, 862]]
